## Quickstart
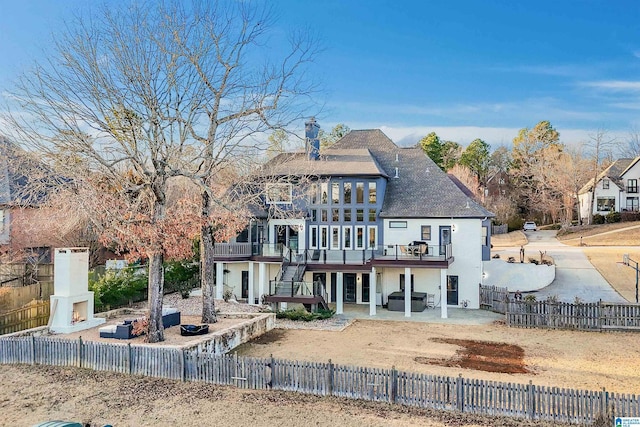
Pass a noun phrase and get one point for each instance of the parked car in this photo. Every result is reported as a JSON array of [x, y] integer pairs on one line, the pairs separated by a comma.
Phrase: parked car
[[530, 226]]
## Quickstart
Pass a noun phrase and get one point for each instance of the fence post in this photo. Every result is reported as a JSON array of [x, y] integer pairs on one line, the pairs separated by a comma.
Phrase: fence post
[[183, 364], [600, 315], [80, 351], [129, 358], [330, 378], [273, 372], [604, 402], [460, 393], [531, 402], [394, 385], [33, 350]]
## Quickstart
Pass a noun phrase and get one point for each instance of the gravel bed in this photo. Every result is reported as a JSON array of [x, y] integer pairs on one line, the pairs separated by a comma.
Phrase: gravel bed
[[192, 306]]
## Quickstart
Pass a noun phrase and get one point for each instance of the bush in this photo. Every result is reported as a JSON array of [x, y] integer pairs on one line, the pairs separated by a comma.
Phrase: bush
[[118, 288], [598, 219], [629, 216], [613, 217], [304, 315], [181, 276], [515, 223]]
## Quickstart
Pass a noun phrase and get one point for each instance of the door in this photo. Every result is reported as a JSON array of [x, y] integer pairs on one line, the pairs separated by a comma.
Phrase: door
[[452, 290], [334, 281], [349, 287], [445, 238], [322, 278], [245, 284]]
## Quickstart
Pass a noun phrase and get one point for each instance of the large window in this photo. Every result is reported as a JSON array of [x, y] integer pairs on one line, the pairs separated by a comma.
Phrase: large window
[[335, 193], [632, 204], [347, 193], [335, 237], [324, 237], [314, 193], [373, 237], [360, 192], [346, 237], [279, 193], [425, 232], [632, 186], [314, 237], [372, 192], [324, 197], [606, 204], [359, 237]]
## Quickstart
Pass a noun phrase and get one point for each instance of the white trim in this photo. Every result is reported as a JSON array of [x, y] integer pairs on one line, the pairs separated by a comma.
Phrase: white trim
[[347, 241], [373, 228], [364, 237], [335, 232]]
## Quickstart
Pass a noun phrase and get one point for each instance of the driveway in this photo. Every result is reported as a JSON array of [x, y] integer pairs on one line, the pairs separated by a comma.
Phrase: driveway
[[575, 276]]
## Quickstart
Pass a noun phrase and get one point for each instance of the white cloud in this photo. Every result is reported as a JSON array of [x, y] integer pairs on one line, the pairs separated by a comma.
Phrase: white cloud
[[614, 85]]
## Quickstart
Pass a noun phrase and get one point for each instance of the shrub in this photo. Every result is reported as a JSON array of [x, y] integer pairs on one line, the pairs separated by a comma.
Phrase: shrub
[[629, 216], [118, 288], [530, 298], [181, 276], [613, 217], [598, 219], [304, 315], [515, 223]]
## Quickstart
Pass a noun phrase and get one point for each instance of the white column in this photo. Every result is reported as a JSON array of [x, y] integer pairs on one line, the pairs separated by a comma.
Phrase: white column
[[262, 277], [252, 298], [340, 293], [443, 293], [372, 292], [219, 279], [407, 292]]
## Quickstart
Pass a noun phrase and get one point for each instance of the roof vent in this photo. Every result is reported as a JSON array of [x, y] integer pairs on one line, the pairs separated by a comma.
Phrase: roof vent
[[396, 173], [468, 207], [396, 157]]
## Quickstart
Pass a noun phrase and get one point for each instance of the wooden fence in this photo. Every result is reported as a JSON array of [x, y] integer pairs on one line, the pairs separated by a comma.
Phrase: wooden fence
[[597, 316], [25, 274], [34, 314], [499, 229], [326, 379]]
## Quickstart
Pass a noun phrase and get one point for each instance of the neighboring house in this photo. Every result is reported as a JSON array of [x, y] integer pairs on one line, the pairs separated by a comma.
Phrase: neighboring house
[[616, 189], [347, 235]]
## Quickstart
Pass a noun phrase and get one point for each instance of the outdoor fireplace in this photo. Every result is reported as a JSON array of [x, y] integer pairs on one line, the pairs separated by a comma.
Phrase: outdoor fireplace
[[72, 303]]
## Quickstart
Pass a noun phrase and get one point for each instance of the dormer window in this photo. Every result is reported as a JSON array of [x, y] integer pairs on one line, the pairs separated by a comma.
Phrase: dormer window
[[605, 184], [278, 194]]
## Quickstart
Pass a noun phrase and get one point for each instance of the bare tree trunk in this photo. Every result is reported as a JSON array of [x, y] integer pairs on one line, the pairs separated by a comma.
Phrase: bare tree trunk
[[207, 266], [156, 284]]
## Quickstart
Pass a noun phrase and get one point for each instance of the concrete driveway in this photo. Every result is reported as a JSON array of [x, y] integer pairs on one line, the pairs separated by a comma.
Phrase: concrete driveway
[[575, 276]]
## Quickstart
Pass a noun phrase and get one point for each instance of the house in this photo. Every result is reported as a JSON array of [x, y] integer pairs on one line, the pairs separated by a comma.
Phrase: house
[[370, 223], [616, 190]]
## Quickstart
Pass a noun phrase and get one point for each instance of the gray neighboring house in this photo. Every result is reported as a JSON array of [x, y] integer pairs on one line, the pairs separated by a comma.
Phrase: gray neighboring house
[[372, 217]]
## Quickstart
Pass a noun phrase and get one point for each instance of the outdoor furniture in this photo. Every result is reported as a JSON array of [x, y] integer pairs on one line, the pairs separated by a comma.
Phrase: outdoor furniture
[[404, 250], [191, 330], [431, 301], [170, 317], [396, 301]]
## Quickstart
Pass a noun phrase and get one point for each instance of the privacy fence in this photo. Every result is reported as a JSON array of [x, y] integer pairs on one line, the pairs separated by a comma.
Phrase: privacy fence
[[599, 316], [32, 315], [326, 379]]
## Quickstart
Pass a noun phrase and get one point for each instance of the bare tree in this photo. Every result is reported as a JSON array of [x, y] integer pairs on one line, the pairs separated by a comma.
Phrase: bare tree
[[630, 148], [600, 145]]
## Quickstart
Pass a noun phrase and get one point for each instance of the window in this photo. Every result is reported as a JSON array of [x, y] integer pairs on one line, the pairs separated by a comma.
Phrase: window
[[425, 233], [360, 192], [485, 232], [373, 237], [314, 193], [632, 204], [335, 215], [335, 237], [314, 215], [335, 193], [347, 215], [346, 237], [632, 186], [397, 224], [372, 192], [323, 215], [279, 193], [606, 204], [402, 283], [347, 193], [314, 237], [359, 215], [324, 198], [372, 215], [605, 184], [359, 237], [324, 231]]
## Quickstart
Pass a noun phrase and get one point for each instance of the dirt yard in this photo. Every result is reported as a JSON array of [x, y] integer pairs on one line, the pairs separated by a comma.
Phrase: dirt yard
[[583, 360]]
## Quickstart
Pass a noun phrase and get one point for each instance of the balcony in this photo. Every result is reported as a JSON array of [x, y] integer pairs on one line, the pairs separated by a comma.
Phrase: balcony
[[234, 251]]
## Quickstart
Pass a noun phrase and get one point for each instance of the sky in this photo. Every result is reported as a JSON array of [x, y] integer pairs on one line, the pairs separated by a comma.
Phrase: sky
[[464, 69]]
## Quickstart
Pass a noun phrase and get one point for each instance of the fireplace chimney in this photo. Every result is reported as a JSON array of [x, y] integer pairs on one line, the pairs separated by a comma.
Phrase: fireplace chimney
[[311, 129]]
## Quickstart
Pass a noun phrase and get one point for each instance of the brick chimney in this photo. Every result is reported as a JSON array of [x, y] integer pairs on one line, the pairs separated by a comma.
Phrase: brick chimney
[[311, 129]]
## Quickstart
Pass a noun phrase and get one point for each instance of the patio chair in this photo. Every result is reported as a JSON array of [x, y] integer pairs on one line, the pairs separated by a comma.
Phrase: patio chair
[[404, 251], [424, 249]]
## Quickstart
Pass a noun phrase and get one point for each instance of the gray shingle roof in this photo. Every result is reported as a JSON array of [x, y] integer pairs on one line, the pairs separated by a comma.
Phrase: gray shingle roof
[[344, 162], [613, 172], [421, 189]]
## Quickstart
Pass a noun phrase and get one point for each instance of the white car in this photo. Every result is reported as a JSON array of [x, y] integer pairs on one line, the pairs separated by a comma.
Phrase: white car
[[529, 226]]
